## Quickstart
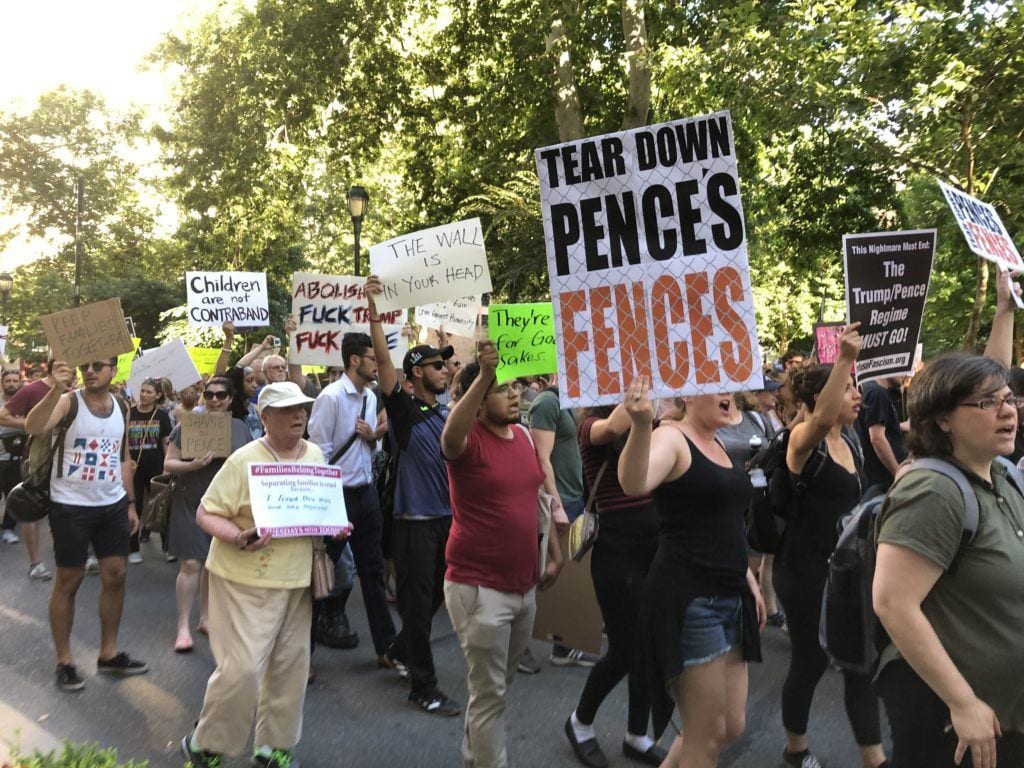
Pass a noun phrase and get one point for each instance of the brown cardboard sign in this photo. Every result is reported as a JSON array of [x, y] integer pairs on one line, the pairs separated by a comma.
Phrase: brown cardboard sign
[[568, 610], [82, 335], [203, 433]]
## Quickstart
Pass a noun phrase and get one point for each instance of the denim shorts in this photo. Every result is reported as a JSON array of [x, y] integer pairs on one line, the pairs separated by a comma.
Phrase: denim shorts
[[712, 626]]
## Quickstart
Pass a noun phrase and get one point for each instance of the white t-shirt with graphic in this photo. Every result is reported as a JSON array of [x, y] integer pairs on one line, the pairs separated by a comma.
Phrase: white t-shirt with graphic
[[92, 459]]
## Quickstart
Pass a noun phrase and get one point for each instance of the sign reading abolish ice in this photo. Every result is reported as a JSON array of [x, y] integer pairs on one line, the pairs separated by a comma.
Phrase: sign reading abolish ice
[[983, 229], [216, 297], [887, 276], [297, 499], [447, 262], [326, 308], [647, 257]]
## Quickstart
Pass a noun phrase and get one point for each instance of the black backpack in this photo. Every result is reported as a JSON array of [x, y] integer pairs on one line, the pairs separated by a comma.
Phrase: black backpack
[[772, 503], [849, 631]]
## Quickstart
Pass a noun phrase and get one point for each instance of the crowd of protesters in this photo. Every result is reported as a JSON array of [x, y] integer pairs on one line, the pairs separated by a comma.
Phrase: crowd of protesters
[[443, 469]]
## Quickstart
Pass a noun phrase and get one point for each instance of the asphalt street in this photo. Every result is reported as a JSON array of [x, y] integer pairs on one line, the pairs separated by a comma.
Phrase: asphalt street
[[356, 714]]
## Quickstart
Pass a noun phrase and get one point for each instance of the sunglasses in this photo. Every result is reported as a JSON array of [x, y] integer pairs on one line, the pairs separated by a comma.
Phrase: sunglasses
[[95, 367], [216, 395], [437, 365]]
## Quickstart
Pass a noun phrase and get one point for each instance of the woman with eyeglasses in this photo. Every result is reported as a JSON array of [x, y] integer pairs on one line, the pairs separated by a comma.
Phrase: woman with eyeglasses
[[187, 540], [953, 606], [149, 427]]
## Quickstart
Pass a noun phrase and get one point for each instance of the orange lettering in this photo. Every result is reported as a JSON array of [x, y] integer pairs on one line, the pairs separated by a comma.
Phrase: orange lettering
[[700, 327], [574, 343], [737, 355], [608, 381], [634, 345], [666, 309]]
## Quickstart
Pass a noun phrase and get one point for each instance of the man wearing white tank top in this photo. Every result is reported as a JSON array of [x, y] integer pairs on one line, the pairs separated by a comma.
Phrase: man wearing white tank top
[[91, 503]]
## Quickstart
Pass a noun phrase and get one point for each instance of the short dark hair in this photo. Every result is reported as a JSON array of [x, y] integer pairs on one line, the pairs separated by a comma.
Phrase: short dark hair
[[938, 389], [806, 383], [788, 357], [354, 344], [222, 381], [465, 378]]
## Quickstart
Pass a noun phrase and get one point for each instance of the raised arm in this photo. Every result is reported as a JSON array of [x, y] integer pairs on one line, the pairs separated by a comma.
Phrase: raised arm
[[252, 354], [54, 407], [294, 369], [1000, 340], [604, 431], [462, 416], [386, 373], [225, 350], [647, 460]]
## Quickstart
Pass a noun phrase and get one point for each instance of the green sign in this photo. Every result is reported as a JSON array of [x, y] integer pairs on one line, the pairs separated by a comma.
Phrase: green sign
[[124, 363], [204, 359], [525, 337]]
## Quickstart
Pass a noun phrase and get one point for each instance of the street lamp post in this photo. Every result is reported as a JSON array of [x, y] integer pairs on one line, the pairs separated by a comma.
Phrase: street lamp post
[[6, 283], [358, 200]]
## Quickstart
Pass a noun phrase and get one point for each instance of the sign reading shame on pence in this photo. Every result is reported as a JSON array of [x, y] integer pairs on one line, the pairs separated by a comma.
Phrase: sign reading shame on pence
[[203, 433], [216, 297], [983, 229], [326, 308], [86, 334], [887, 276], [647, 257], [438, 264], [458, 316], [525, 337]]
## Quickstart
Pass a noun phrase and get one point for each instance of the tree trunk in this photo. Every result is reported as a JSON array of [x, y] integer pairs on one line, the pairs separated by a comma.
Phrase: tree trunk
[[568, 117], [638, 96]]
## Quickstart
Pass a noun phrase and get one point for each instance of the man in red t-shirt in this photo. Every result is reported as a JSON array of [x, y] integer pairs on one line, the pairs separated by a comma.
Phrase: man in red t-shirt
[[492, 553]]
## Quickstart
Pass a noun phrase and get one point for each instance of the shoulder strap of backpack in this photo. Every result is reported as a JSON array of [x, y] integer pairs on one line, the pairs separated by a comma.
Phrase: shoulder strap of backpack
[[967, 492], [62, 430], [1013, 473]]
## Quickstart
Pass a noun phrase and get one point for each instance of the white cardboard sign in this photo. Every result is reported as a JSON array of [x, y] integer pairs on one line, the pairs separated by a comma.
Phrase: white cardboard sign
[[983, 229], [297, 499], [171, 361], [216, 297], [458, 316], [437, 264]]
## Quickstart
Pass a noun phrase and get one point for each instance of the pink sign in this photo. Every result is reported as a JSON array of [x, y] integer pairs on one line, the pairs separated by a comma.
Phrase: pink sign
[[826, 341]]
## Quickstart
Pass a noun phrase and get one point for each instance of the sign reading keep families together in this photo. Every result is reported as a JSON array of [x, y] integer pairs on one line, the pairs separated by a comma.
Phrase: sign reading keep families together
[[647, 257]]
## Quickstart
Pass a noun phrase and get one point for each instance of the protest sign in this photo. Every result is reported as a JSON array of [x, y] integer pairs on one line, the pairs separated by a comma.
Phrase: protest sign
[[647, 257], [525, 337], [437, 264], [983, 229], [887, 276], [297, 499], [458, 316], [204, 359], [568, 610], [216, 297], [327, 307], [124, 363], [826, 341], [203, 433], [171, 361], [86, 334]]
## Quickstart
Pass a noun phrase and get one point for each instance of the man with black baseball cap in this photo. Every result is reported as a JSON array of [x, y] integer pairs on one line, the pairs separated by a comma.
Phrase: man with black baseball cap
[[422, 508]]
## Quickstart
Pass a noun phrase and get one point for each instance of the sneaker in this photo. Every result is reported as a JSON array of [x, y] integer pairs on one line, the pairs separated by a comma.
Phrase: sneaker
[[68, 678], [276, 758], [39, 571], [198, 758], [800, 759], [566, 657], [528, 665], [170, 558], [390, 660], [777, 619], [92, 565], [332, 630], [10, 537], [135, 558], [435, 703], [121, 664]]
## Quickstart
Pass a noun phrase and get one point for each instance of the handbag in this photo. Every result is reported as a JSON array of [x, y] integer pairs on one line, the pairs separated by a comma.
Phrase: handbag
[[156, 507], [321, 581], [583, 531]]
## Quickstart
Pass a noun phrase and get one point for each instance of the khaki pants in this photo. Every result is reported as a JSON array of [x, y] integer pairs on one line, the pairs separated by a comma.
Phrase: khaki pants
[[260, 639], [493, 628]]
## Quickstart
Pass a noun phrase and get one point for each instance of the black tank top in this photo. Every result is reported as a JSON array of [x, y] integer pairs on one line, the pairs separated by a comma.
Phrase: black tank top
[[812, 532], [701, 526]]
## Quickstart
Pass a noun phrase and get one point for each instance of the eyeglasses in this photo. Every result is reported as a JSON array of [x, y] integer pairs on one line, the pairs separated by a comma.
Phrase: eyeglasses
[[994, 403], [437, 365], [95, 367], [219, 394], [508, 390]]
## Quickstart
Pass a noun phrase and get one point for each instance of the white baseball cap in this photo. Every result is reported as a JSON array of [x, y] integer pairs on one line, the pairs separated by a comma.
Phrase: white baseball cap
[[281, 394]]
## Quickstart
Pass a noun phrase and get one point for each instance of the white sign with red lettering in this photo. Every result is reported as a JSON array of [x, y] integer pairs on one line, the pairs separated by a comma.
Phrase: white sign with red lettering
[[297, 499], [983, 229]]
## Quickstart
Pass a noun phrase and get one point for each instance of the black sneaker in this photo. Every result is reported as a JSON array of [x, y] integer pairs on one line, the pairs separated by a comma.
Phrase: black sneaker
[[199, 758], [68, 678], [435, 703], [121, 664], [276, 758], [391, 660]]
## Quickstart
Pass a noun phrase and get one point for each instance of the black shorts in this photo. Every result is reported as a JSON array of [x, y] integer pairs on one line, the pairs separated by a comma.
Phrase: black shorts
[[10, 475], [74, 528]]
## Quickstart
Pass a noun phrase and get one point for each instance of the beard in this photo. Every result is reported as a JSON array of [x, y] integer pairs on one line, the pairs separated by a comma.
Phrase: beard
[[434, 389]]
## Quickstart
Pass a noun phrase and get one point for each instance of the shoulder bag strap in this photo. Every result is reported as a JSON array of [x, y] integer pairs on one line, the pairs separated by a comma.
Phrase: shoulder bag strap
[[597, 484], [348, 443], [970, 498]]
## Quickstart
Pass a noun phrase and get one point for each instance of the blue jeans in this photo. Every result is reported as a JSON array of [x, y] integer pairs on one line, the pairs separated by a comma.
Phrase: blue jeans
[[712, 626]]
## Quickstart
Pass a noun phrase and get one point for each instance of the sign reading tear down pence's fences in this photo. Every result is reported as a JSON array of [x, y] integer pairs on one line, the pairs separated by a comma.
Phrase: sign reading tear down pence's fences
[[647, 257], [887, 276], [524, 335], [214, 298], [438, 264], [327, 307], [983, 229], [86, 334]]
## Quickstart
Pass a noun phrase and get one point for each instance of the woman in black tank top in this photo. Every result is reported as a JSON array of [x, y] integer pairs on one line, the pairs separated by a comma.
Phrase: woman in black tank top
[[832, 403], [701, 610]]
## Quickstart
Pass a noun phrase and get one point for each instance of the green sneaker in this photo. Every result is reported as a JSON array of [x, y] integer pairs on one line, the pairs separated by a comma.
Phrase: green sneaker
[[198, 758], [276, 758]]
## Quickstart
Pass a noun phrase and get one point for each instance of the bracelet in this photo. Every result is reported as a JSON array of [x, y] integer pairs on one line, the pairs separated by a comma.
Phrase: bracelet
[[226, 349]]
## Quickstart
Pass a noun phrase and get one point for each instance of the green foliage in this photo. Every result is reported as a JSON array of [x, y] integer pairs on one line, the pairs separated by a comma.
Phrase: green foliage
[[72, 756]]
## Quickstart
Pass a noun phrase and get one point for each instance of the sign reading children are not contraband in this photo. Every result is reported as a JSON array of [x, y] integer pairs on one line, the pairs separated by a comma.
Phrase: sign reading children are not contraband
[[647, 257]]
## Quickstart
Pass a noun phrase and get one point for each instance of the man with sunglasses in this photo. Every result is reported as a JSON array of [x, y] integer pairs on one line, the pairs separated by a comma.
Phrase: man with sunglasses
[[422, 508], [92, 502]]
